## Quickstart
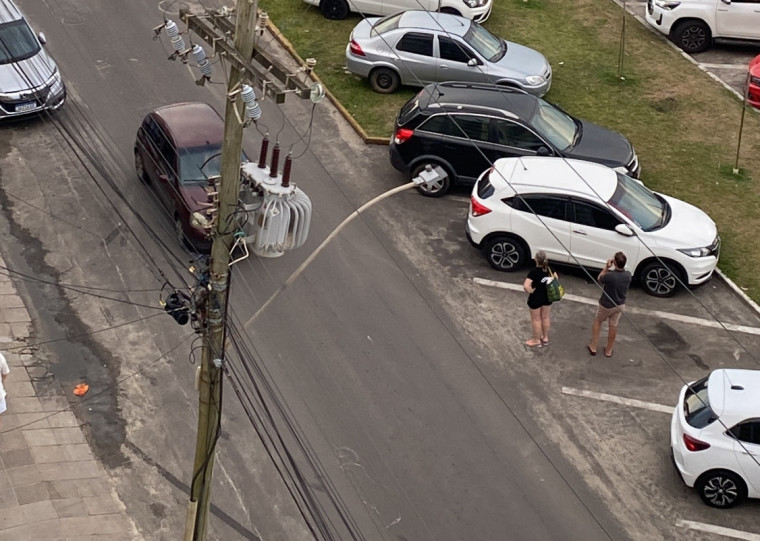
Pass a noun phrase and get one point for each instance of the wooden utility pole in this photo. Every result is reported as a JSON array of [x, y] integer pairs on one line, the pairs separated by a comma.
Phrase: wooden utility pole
[[210, 381]]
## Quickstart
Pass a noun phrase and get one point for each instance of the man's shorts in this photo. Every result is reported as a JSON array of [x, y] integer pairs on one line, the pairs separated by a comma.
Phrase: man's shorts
[[2, 405], [613, 314]]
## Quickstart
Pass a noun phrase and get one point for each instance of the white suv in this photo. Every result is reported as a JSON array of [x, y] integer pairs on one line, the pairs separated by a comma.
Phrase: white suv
[[694, 24], [477, 10], [580, 213], [715, 436]]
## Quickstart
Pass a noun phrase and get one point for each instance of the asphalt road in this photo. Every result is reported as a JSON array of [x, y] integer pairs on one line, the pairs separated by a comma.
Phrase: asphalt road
[[397, 361]]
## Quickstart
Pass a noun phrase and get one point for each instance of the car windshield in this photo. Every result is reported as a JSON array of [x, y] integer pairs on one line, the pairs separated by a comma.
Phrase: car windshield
[[485, 43], [554, 124], [639, 204], [197, 164], [17, 42], [696, 405], [386, 23]]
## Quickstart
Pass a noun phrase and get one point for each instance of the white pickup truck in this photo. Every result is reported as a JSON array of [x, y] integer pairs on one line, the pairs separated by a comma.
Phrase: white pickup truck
[[693, 25], [477, 10]]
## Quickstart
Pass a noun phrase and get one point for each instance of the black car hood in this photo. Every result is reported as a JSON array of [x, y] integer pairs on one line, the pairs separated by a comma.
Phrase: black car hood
[[601, 145]]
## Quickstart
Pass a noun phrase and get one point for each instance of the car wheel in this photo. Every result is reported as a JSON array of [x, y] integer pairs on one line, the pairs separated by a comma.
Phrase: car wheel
[[692, 36], [505, 253], [438, 188], [721, 489], [140, 167], [384, 80], [659, 280], [334, 9]]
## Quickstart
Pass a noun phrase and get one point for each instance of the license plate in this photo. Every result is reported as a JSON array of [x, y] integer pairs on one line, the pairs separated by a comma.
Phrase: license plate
[[26, 106]]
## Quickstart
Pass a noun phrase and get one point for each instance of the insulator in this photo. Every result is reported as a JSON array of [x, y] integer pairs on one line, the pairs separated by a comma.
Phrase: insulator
[[263, 154], [199, 54], [286, 170], [171, 28], [252, 108], [206, 69], [275, 160], [178, 43]]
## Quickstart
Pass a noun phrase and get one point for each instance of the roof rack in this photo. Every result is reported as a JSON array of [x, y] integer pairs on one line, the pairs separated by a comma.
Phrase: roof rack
[[482, 86]]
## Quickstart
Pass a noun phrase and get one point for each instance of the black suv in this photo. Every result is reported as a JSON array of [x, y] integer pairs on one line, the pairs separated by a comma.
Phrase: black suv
[[465, 127]]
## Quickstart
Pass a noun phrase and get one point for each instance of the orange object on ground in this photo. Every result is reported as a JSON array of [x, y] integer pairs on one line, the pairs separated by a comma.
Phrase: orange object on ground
[[81, 389]]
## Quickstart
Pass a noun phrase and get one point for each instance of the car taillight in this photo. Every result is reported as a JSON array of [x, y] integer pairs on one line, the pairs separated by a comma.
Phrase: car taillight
[[355, 49], [693, 444], [402, 134], [478, 209]]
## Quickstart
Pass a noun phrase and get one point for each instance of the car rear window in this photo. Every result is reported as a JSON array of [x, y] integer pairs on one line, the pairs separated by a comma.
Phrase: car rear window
[[696, 405], [386, 23], [485, 189]]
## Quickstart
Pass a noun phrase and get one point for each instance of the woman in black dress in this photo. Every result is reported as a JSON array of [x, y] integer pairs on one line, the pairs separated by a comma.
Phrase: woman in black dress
[[538, 300]]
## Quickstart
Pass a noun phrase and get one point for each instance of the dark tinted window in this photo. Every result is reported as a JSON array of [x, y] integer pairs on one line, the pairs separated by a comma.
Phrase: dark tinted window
[[550, 207], [696, 405], [452, 50], [485, 189], [474, 127], [748, 432], [594, 216], [416, 43], [514, 135], [18, 42]]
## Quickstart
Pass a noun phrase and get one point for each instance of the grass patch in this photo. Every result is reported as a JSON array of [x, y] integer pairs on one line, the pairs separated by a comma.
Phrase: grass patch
[[684, 126]]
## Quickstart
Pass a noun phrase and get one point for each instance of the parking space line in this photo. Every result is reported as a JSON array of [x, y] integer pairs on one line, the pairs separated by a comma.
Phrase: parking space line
[[720, 530], [632, 402], [742, 67], [654, 313]]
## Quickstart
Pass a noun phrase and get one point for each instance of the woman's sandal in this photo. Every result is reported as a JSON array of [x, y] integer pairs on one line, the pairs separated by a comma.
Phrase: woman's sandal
[[544, 343], [607, 354], [533, 343], [591, 351]]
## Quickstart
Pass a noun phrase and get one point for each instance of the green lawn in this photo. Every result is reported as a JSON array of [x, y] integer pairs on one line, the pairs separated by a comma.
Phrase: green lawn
[[684, 125]]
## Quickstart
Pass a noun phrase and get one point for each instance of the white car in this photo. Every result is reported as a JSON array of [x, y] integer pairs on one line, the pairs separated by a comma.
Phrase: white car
[[581, 213], [694, 24], [715, 436], [477, 10]]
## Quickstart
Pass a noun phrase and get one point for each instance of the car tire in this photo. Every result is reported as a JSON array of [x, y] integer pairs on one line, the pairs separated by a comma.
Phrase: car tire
[[438, 189], [660, 280], [140, 167], [692, 36], [721, 489], [384, 80], [334, 10], [505, 253]]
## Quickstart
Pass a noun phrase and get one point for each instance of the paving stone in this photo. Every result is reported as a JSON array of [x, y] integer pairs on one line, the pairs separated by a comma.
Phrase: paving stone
[[19, 329], [54, 403], [24, 475], [32, 420], [38, 511], [15, 315], [19, 388], [11, 301], [10, 518], [93, 487], [24, 404], [40, 436], [99, 505], [16, 457], [7, 495], [69, 435], [62, 489], [98, 524], [36, 492], [78, 452], [70, 507], [68, 470], [12, 440], [63, 419], [43, 454]]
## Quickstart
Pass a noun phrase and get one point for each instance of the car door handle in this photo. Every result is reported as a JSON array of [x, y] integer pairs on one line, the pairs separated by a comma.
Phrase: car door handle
[[580, 232], [443, 66]]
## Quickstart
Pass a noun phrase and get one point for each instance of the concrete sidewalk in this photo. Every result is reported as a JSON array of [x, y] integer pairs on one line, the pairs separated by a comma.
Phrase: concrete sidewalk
[[51, 486]]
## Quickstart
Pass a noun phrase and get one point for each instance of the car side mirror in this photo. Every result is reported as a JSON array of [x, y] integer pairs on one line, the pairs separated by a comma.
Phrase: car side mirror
[[543, 151], [624, 230], [727, 2], [42, 38], [472, 62]]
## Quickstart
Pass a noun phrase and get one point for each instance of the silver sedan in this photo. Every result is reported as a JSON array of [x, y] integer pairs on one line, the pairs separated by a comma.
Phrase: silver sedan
[[419, 47]]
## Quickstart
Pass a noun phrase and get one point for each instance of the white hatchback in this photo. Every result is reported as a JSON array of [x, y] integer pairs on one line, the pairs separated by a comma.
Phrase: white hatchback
[[715, 436], [581, 213]]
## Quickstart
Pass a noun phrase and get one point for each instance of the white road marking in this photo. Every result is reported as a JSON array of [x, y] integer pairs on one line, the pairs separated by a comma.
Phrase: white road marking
[[631, 310], [651, 406], [725, 66], [720, 530]]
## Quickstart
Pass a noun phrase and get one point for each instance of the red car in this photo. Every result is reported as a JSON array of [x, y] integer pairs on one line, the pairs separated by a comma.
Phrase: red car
[[178, 147], [753, 96]]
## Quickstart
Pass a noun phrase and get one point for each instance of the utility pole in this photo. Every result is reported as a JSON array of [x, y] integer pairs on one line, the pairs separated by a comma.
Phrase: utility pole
[[210, 381]]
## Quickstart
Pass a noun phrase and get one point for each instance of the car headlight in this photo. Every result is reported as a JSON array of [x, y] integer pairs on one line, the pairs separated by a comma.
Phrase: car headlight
[[695, 252], [622, 169], [667, 4], [475, 3], [535, 79], [199, 221]]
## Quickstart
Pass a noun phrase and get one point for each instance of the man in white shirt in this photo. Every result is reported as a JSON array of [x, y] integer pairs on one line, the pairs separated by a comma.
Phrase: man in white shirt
[[4, 371]]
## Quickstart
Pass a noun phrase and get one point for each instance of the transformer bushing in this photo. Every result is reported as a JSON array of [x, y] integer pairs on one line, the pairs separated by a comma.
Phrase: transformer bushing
[[279, 213]]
